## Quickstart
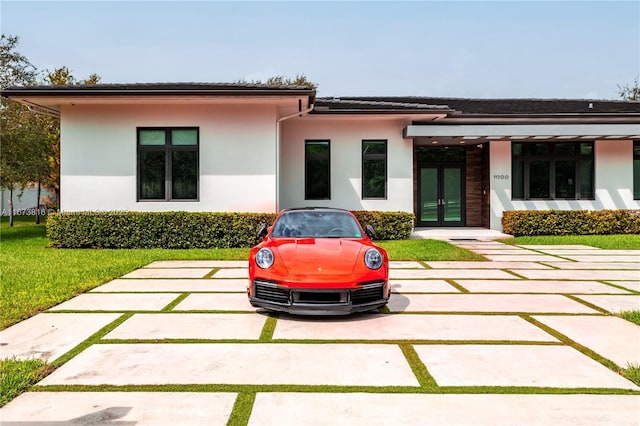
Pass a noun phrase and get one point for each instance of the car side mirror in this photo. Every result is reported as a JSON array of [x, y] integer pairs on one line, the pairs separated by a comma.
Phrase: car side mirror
[[371, 233], [262, 231]]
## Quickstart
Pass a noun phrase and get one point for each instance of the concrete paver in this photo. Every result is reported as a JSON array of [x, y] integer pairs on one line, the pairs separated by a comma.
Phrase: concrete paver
[[232, 273], [523, 258], [538, 286], [347, 409], [168, 273], [517, 365], [171, 285], [542, 247], [612, 337], [595, 265], [422, 286], [631, 285], [449, 273], [405, 265], [190, 326], [604, 258], [49, 336], [487, 265], [116, 302], [119, 408], [411, 327], [237, 363], [502, 349], [591, 252], [198, 264], [215, 302], [534, 303], [613, 304], [557, 274]]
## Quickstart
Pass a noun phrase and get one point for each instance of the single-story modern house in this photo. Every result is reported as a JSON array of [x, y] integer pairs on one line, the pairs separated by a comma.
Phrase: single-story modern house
[[261, 148]]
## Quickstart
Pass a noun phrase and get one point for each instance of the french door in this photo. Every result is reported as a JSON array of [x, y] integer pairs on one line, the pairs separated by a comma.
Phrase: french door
[[440, 195]]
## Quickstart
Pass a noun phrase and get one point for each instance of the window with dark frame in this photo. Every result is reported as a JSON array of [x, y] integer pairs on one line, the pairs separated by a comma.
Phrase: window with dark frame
[[317, 170], [168, 159], [374, 169], [636, 170], [552, 170]]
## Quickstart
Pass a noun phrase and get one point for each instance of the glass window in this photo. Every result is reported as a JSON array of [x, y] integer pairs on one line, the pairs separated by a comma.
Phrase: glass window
[[317, 170], [168, 164], [374, 169], [552, 170], [636, 170]]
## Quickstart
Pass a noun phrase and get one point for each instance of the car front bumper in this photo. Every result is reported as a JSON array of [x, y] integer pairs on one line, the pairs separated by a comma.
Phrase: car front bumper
[[319, 301]]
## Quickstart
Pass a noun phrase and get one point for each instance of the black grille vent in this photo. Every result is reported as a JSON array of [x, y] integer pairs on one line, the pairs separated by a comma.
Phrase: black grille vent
[[269, 292], [370, 293]]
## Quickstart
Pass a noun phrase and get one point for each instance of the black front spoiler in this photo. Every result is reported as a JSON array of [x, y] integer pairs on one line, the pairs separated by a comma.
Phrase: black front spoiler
[[298, 308]]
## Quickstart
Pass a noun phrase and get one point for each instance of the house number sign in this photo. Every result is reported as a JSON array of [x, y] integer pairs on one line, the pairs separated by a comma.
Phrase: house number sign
[[501, 177]]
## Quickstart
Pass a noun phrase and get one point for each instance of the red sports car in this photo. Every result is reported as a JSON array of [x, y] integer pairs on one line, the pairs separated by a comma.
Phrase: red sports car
[[318, 261]]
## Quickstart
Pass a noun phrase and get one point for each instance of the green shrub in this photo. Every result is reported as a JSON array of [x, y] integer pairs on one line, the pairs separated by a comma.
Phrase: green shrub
[[179, 230], [388, 225], [570, 222]]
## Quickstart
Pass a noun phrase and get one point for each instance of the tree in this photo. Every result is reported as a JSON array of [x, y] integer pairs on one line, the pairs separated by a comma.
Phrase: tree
[[630, 92], [30, 151], [298, 80], [15, 70]]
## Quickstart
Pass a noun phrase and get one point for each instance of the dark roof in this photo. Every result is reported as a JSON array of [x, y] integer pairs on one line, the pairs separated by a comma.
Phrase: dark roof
[[513, 106], [332, 105], [161, 89]]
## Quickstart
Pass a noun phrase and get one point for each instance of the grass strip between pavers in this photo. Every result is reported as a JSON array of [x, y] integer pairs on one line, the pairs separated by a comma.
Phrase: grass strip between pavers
[[266, 335], [174, 302], [270, 388], [587, 304], [242, 409], [425, 379]]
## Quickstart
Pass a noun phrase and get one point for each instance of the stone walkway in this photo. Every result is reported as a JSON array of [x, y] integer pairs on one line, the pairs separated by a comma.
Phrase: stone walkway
[[527, 338]]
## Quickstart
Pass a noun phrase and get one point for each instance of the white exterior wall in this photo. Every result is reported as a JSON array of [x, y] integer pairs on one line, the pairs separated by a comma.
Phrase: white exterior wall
[[613, 182], [237, 156], [346, 136]]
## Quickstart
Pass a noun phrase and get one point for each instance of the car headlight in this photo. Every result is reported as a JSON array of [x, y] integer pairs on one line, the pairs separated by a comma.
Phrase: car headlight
[[264, 258], [373, 259]]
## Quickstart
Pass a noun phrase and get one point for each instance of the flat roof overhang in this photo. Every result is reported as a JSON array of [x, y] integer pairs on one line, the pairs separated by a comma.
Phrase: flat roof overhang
[[524, 131]]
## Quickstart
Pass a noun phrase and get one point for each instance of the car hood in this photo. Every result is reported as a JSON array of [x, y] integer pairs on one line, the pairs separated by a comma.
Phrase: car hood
[[319, 256]]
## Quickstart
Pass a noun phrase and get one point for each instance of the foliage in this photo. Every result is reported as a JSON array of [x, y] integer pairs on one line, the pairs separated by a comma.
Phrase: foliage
[[632, 372], [35, 277], [182, 230], [630, 92], [611, 242], [30, 141], [426, 250], [633, 316], [388, 225], [15, 69], [281, 80], [571, 222], [17, 376]]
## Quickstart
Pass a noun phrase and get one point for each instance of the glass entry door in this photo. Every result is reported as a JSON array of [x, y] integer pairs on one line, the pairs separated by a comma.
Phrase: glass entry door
[[440, 200]]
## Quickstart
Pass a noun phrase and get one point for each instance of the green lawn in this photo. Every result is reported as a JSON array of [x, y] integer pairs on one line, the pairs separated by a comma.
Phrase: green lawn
[[35, 277], [611, 242]]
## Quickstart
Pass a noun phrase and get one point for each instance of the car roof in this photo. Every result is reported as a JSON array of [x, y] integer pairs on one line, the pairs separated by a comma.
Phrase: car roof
[[320, 209]]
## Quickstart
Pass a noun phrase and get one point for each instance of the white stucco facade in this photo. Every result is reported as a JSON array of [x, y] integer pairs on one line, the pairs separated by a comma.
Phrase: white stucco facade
[[346, 136], [237, 160], [613, 181]]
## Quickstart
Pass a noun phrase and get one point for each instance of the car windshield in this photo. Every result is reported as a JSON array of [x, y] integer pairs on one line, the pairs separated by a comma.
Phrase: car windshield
[[316, 224]]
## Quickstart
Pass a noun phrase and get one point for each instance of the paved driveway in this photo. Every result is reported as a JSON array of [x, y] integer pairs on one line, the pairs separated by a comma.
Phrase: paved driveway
[[526, 338]]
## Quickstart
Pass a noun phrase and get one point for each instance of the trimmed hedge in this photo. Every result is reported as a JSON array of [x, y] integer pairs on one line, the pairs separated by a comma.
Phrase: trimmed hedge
[[570, 222], [182, 230]]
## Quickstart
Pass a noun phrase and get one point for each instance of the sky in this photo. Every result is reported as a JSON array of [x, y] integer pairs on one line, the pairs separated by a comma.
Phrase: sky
[[480, 49]]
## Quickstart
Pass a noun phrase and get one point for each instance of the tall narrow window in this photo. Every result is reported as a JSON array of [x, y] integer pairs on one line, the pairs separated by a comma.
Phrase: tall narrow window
[[374, 169], [552, 170], [636, 170], [317, 173], [167, 164]]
